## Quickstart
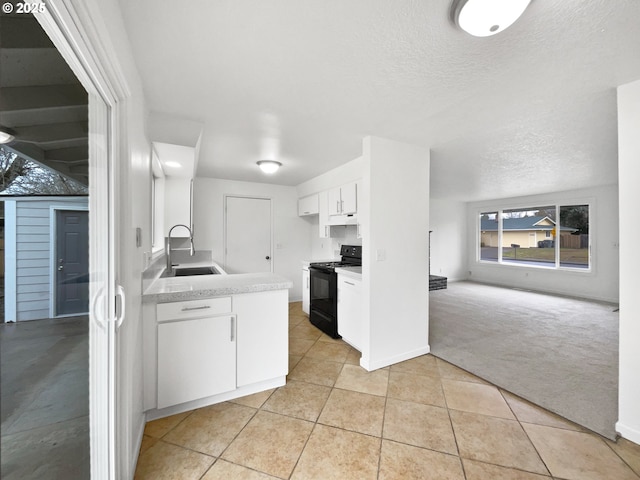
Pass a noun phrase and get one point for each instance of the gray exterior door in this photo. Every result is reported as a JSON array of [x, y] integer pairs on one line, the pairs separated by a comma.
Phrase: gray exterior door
[[72, 262]]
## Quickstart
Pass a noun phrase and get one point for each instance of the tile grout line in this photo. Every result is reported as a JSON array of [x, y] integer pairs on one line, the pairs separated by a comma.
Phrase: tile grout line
[[525, 432]]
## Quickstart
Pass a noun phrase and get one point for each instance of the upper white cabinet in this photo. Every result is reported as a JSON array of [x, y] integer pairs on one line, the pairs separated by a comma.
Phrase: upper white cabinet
[[343, 200], [308, 205], [324, 228]]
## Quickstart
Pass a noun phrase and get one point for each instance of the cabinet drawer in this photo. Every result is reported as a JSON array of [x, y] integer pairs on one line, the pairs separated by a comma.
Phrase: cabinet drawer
[[193, 309]]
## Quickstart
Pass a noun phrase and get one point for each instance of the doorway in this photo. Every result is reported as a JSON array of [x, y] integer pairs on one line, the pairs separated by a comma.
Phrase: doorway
[[71, 262], [247, 235]]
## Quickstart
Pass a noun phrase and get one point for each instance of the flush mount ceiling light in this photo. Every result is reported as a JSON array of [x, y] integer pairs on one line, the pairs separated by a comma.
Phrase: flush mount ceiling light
[[269, 166], [482, 18], [6, 135]]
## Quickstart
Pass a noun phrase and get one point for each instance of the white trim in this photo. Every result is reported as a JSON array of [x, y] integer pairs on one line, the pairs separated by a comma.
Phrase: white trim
[[385, 362], [627, 432], [224, 226], [10, 261], [71, 27], [53, 236]]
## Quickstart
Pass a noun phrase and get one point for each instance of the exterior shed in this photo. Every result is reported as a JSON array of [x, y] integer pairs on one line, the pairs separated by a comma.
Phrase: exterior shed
[[45, 262]]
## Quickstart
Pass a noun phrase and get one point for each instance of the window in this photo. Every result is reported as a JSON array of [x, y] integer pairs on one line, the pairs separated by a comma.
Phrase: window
[[552, 236]]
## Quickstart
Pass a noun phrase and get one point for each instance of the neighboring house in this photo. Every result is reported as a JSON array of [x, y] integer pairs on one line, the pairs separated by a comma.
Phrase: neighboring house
[[527, 232], [46, 257]]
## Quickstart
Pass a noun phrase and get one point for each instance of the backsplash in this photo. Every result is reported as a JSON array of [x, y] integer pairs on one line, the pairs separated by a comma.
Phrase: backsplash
[[329, 248]]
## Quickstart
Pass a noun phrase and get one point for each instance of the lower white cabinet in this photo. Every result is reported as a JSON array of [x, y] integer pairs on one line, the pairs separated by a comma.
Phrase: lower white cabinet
[[263, 336], [350, 310], [196, 350], [196, 359], [306, 290]]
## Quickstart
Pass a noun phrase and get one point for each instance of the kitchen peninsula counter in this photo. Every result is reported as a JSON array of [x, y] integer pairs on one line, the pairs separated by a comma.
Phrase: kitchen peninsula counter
[[177, 289]]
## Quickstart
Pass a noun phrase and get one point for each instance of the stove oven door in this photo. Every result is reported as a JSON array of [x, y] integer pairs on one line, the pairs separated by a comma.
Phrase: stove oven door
[[323, 291]]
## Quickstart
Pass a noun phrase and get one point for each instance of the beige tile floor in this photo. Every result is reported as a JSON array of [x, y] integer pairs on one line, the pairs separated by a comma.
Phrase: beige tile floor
[[420, 419]]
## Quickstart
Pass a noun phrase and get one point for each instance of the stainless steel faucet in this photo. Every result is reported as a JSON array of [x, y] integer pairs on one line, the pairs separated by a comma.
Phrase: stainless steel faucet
[[192, 250]]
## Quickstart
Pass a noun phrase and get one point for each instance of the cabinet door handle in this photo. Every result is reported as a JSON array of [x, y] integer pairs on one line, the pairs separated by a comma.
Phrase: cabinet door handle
[[233, 336], [338, 206], [349, 283], [201, 307], [341, 206]]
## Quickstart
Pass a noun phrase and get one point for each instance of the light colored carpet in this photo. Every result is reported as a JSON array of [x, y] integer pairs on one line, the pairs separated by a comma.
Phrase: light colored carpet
[[557, 352]]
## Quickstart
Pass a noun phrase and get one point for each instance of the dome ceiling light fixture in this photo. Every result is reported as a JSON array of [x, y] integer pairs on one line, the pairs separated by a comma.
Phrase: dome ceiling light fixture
[[6, 135], [483, 18], [269, 166]]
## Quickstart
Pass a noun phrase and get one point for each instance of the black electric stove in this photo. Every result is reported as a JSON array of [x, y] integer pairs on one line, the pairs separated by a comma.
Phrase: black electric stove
[[323, 310]]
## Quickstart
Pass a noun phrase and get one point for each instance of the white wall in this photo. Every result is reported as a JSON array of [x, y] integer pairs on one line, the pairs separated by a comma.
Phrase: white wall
[[177, 195], [629, 172], [448, 223], [289, 231], [395, 228], [601, 283]]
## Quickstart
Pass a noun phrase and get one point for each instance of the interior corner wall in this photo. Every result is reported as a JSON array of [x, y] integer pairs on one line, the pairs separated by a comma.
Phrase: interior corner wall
[[290, 231], [395, 230], [448, 224], [629, 172], [601, 283]]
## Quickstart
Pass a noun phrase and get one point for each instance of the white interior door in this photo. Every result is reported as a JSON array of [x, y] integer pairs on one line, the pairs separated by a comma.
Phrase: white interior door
[[247, 235]]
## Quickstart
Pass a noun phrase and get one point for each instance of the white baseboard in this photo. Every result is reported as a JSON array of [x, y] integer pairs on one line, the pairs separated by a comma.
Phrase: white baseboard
[[370, 365], [629, 433], [276, 382]]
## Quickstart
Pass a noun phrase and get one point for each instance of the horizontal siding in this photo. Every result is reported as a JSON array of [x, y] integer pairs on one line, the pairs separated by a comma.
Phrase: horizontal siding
[[37, 306], [33, 315], [33, 297], [33, 221], [33, 253], [38, 287], [35, 247], [30, 238], [33, 230], [34, 262]]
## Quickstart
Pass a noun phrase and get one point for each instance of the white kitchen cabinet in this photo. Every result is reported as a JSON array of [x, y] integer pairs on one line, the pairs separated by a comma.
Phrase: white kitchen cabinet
[[324, 228], [263, 336], [343, 200], [196, 358], [306, 289], [350, 310], [308, 205]]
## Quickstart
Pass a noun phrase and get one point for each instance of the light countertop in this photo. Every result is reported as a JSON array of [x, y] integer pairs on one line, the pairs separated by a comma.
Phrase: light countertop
[[177, 289], [353, 272]]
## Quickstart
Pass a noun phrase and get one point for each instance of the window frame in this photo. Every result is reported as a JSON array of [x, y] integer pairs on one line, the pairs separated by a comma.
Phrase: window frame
[[556, 265]]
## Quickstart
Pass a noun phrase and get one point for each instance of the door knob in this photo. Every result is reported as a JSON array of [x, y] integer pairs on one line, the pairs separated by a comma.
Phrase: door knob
[[61, 267], [267, 257]]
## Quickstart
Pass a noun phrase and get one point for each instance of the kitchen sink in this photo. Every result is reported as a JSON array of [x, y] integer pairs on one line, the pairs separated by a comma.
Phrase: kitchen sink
[[190, 271]]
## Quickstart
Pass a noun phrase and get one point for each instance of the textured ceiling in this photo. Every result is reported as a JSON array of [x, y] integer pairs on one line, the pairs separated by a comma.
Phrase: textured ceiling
[[530, 110]]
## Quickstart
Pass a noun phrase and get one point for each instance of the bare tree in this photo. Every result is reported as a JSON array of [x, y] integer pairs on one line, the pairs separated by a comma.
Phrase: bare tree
[[22, 177]]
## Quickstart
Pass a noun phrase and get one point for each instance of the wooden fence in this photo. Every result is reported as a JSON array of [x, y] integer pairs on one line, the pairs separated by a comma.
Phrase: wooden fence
[[574, 241]]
